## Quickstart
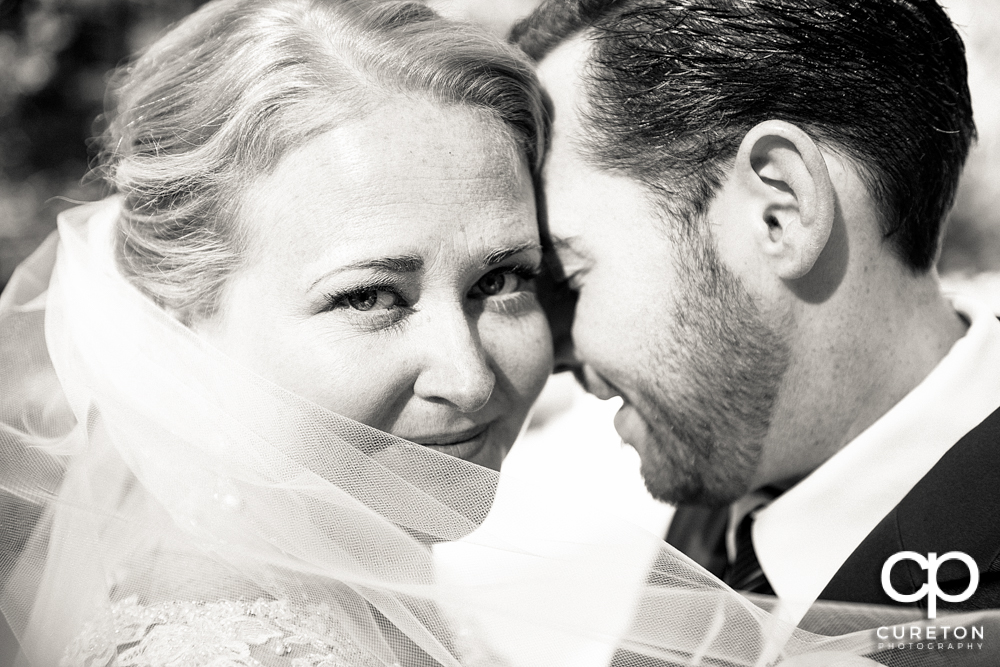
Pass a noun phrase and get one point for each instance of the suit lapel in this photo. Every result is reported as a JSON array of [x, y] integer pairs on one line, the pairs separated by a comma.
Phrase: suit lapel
[[955, 507]]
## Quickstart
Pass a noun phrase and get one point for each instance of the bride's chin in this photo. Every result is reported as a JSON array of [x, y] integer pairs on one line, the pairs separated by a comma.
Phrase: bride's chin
[[491, 456]]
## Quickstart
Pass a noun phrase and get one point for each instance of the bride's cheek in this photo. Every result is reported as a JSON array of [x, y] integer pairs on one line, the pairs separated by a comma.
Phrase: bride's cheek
[[359, 376], [542, 359], [522, 347]]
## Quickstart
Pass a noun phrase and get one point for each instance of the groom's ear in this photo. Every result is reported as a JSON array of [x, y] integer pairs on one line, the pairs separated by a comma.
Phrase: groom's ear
[[785, 195]]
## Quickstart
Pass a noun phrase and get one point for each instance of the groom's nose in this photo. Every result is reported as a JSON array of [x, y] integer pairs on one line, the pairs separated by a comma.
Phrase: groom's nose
[[592, 381]]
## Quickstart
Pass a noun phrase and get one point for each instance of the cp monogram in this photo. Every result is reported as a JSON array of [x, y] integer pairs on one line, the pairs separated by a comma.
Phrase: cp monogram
[[930, 590]]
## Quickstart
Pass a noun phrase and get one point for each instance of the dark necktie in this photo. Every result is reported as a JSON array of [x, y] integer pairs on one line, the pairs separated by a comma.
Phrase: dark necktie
[[745, 572]]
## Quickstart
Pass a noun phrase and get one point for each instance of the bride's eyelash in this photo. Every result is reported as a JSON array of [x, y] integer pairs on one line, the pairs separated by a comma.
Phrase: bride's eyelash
[[512, 304], [527, 272], [381, 320], [520, 301], [335, 300]]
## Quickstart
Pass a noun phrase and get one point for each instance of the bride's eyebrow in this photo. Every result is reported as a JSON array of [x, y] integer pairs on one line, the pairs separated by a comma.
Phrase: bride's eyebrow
[[399, 264], [502, 254]]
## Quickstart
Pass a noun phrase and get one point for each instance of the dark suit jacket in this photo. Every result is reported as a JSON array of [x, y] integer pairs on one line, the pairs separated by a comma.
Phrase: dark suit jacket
[[955, 507]]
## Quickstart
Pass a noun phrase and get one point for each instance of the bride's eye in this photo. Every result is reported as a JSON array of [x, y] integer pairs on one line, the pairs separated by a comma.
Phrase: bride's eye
[[365, 300], [371, 298], [501, 282], [495, 284]]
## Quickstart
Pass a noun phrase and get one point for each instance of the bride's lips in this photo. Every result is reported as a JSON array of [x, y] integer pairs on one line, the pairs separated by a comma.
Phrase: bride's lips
[[462, 444]]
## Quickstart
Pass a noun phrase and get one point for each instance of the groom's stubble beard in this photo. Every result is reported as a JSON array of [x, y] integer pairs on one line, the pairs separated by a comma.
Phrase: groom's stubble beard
[[712, 385]]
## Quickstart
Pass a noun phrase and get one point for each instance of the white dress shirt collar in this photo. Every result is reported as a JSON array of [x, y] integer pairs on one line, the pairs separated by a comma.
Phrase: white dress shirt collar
[[805, 536]]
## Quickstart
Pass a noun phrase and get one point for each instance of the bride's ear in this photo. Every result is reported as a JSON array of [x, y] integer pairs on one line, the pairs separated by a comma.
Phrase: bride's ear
[[786, 196]]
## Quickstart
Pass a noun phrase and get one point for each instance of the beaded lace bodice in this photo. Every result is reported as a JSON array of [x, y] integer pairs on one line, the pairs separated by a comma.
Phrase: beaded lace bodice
[[221, 634]]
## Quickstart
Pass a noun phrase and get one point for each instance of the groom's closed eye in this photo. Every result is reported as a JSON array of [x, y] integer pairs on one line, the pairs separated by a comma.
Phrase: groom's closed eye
[[568, 260]]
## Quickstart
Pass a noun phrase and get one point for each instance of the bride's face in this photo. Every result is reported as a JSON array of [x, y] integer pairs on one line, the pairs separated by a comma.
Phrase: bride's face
[[390, 279]]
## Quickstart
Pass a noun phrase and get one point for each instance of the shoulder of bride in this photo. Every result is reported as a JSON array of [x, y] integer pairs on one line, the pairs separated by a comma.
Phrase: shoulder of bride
[[224, 633]]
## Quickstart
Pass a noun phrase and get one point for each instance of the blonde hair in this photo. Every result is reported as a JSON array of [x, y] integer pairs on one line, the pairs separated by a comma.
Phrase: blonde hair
[[219, 100]]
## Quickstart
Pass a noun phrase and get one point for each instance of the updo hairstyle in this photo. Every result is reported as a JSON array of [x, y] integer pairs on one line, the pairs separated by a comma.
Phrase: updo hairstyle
[[218, 101]]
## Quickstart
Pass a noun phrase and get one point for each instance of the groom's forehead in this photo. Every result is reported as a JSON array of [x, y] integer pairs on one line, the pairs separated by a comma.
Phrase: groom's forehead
[[588, 206], [561, 73], [567, 162]]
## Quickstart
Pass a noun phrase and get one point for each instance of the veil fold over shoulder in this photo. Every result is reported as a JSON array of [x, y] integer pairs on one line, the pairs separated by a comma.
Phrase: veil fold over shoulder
[[163, 505]]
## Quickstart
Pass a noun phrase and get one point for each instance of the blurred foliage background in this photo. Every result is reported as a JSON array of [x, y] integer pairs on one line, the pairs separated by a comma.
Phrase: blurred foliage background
[[56, 56]]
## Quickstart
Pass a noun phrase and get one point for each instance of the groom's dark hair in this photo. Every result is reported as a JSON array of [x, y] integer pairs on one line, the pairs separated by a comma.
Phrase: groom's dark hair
[[672, 87]]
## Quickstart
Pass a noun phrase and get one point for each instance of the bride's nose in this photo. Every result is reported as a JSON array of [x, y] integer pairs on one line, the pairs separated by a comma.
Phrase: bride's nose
[[456, 367]]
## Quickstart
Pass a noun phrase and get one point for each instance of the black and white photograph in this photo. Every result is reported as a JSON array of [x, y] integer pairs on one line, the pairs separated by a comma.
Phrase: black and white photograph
[[499, 333]]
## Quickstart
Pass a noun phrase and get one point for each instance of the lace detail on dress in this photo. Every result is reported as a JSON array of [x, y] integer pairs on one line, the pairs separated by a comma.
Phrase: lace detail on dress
[[220, 634]]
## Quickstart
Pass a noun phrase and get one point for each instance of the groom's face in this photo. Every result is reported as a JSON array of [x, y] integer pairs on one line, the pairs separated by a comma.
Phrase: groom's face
[[659, 319]]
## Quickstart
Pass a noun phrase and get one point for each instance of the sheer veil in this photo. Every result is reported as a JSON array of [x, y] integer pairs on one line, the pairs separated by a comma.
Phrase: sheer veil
[[142, 469]]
